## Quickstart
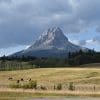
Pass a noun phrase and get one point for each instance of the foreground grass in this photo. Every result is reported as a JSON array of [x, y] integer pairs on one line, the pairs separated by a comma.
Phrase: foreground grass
[[48, 77], [22, 96], [51, 76], [42, 94], [14, 96]]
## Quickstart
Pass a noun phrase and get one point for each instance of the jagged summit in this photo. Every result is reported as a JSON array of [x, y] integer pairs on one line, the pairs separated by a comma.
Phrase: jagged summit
[[51, 38], [51, 43], [52, 32]]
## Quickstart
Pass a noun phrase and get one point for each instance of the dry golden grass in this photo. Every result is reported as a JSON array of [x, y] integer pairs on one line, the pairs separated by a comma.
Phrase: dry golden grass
[[29, 94], [49, 76], [83, 78]]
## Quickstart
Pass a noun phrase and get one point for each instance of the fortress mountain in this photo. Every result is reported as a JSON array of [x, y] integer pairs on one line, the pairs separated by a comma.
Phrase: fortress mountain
[[51, 43]]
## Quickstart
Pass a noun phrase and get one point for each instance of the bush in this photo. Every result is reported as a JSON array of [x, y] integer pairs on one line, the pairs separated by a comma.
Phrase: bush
[[54, 87], [15, 85], [30, 85], [59, 86], [43, 87], [25, 86], [10, 78], [33, 84], [71, 86]]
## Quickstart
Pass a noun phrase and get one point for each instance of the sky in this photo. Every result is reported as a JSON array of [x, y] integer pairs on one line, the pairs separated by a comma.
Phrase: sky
[[22, 21]]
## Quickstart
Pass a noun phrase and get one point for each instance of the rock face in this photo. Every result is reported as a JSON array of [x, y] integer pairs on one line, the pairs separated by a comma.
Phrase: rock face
[[52, 38], [52, 43]]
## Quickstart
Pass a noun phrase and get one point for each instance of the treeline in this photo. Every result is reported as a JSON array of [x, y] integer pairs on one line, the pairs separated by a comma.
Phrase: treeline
[[15, 65], [72, 59], [81, 58]]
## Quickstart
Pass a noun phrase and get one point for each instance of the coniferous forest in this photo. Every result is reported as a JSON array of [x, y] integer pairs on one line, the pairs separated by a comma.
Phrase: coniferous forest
[[72, 60]]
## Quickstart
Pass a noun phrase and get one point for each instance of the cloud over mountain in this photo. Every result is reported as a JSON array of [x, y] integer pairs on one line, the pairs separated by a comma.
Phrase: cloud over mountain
[[22, 20]]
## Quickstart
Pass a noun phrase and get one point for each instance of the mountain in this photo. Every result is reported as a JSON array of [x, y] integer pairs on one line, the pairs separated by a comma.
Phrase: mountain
[[52, 43]]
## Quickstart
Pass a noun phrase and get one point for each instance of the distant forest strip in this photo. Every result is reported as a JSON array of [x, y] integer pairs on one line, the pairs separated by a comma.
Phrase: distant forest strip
[[71, 60]]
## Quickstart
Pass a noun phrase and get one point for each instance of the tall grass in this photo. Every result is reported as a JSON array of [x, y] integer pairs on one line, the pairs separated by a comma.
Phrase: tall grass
[[84, 79], [30, 85]]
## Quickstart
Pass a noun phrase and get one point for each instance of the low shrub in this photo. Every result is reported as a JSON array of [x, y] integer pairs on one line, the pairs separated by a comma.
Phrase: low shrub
[[30, 85], [15, 85], [43, 87], [33, 84], [54, 87], [10, 78], [59, 86], [71, 86]]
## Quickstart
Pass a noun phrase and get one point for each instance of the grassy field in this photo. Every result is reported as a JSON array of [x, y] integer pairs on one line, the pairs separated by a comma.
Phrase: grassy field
[[32, 96], [84, 80], [49, 76]]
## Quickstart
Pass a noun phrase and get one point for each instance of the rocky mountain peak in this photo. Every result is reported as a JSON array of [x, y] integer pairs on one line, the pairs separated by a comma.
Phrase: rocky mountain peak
[[51, 38], [51, 43]]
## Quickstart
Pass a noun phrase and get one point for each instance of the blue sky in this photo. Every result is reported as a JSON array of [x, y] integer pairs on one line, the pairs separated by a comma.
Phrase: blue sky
[[89, 39], [22, 21]]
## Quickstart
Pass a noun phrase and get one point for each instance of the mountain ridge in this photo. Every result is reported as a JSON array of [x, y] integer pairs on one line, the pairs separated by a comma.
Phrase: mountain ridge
[[51, 43]]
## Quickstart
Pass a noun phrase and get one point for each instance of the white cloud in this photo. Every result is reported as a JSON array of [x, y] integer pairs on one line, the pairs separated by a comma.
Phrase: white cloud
[[87, 42], [21, 21]]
